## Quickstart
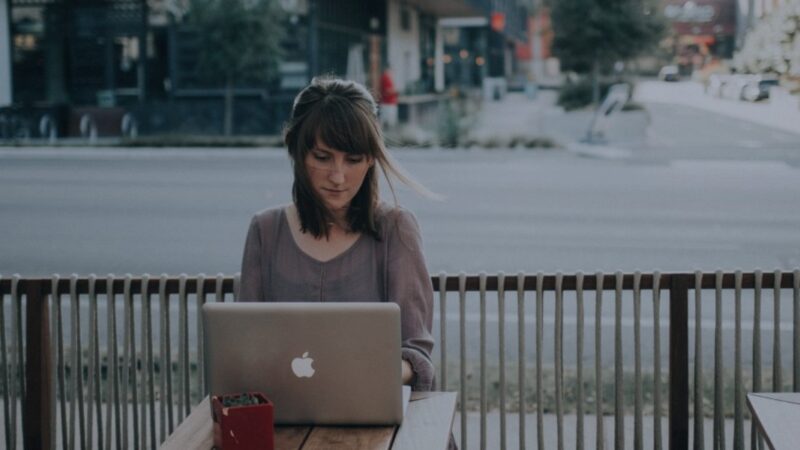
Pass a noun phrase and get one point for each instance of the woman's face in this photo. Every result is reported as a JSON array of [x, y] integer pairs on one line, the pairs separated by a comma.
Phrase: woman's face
[[335, 176]]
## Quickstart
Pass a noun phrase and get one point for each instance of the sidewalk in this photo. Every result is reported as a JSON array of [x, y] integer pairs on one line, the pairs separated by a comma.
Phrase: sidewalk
[[782, 114], [519, 116]]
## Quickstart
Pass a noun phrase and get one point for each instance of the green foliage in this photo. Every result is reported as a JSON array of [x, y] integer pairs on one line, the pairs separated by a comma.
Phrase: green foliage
[[240, 400], [604, 31], [239, 40], [773, 45], [579, 95]]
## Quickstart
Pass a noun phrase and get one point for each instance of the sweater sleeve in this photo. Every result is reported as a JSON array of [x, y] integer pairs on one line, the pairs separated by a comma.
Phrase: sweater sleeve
[[409, 285], [251, 282]]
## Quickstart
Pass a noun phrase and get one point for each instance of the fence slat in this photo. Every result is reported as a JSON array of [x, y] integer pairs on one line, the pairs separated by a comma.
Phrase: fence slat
[[637, 342], [679, 361], [443, 331], [501, 330], [755, 439], [201, 300], [699, 433], [148, 380], [94, 368], [183, 350], [165, 359], [462, 347], [59, 391], [777, 367], [657, 435], [7, 430], [598, 362], [579, 443], [738, 399], [719, 412], [17, 364], [126, 356], [796, 358], [482, 332], [539, 336], [619, 406], [77, 368], [521, 355], [559, 361]]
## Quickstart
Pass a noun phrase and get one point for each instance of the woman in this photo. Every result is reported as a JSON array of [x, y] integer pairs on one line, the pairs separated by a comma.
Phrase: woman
[[336, 241]]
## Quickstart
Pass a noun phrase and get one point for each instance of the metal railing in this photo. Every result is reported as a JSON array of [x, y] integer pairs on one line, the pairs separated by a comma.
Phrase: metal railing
[[84, 380]]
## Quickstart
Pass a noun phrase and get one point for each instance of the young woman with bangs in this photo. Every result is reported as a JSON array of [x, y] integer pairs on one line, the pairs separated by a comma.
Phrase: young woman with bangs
[[337, 241]]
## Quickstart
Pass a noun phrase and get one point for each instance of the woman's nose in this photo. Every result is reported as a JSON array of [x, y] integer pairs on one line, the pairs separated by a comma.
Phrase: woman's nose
[[336, 175]]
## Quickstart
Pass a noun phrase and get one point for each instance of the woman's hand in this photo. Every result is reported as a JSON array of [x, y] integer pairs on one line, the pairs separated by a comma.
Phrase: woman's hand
[[408, 372]]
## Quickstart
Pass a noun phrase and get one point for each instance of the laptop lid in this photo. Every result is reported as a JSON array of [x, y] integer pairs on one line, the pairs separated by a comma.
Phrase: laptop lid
[[319, 363]]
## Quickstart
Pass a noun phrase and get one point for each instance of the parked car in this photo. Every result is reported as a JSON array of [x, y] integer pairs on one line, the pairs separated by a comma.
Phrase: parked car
[[734, 86], [669, 73], [758, 87]]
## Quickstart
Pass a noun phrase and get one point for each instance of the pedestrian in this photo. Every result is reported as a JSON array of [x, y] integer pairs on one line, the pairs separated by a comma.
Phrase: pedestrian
[[337, 241], [388, 99]]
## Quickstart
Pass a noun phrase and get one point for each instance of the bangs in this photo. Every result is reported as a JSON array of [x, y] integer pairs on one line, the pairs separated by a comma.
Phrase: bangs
[[340, 125]]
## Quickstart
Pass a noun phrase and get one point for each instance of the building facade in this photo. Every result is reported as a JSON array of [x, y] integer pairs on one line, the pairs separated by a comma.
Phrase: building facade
[[137, 56]]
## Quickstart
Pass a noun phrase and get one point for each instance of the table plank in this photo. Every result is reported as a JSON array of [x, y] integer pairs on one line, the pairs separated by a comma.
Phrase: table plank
[[777, 416], [373, 438], [290, 438], [428, 421]]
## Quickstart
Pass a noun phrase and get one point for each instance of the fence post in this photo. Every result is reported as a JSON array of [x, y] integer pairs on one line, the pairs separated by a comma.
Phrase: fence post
[[679, 361], [37, 404]]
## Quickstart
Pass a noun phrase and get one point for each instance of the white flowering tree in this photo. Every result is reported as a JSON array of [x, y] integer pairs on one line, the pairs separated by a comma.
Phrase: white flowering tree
[[774, 44]]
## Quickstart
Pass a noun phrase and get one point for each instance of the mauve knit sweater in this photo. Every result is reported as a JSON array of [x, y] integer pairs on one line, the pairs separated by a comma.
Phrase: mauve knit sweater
[[274, 268]]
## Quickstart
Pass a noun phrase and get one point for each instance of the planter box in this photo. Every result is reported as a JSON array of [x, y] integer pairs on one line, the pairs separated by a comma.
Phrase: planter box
[[247, 427]]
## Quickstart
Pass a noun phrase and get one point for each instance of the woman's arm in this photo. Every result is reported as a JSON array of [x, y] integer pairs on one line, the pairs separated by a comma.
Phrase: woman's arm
[[409, 285]]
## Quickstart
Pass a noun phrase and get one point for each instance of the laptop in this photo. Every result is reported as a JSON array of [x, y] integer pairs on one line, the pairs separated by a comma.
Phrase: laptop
[[319, 363]]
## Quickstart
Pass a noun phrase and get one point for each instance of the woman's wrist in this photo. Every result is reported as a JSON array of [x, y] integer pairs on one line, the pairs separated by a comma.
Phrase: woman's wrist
[[407, 373]]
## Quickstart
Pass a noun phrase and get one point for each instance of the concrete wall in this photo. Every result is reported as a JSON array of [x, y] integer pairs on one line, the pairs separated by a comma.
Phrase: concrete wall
[[403, 45], [5, 53]]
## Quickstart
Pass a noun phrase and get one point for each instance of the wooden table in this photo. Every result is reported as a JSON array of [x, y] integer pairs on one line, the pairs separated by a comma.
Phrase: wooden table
[[426, 425], [777, 415]]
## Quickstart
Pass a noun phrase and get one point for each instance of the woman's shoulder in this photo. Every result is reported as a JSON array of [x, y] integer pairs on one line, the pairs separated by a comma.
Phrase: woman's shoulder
[[267, 219], [396, 220], [388, 212], [269, 214]]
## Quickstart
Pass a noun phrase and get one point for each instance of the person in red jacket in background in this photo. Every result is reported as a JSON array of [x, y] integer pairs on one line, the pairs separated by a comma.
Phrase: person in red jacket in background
[[388, 111]]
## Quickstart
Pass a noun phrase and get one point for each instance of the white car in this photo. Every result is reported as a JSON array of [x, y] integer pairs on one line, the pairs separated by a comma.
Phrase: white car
[[669, 73]]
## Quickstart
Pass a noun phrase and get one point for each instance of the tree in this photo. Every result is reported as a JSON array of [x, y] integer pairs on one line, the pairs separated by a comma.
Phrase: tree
[[591, 35], [773, 45], [238, 43]]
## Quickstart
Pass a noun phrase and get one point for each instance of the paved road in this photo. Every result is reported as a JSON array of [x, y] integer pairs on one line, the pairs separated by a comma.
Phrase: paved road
[[140, 211]]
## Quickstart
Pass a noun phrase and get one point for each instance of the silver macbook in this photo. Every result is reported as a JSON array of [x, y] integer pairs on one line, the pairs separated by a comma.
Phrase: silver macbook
[[319, 363]]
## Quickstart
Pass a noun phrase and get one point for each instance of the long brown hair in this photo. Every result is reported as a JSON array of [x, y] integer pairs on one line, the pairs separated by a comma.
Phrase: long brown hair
[[343, 115]]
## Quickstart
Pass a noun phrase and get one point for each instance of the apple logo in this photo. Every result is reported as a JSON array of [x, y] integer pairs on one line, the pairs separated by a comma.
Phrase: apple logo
[[302, 366]]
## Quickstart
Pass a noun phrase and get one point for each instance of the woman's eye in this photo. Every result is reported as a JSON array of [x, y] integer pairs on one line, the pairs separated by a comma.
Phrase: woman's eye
[[320, 157], [355, 160]]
